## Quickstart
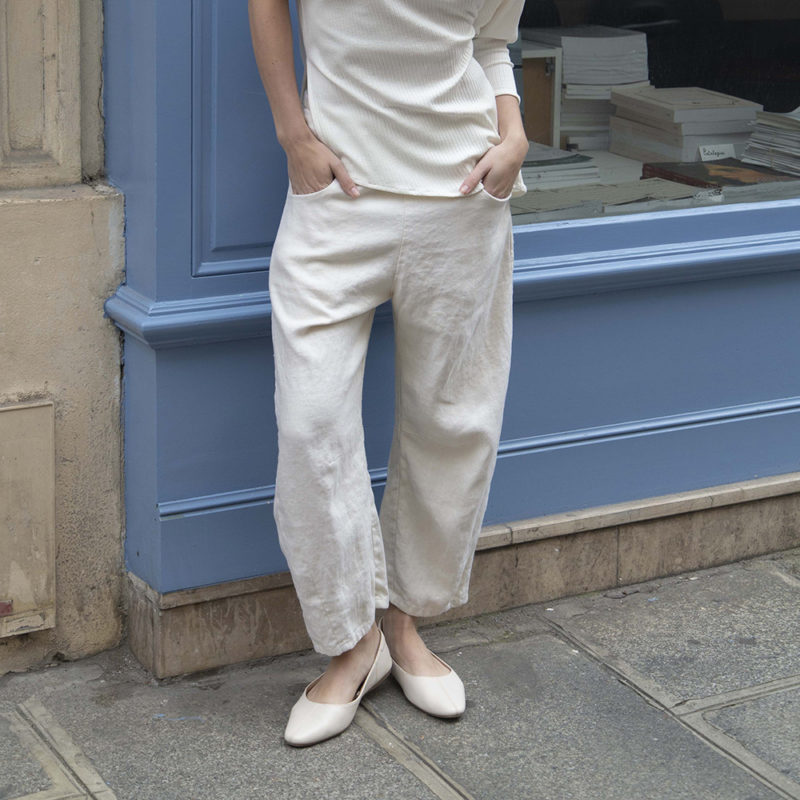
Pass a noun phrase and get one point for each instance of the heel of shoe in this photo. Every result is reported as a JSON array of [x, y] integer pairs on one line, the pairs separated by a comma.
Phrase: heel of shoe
[[382, 667]]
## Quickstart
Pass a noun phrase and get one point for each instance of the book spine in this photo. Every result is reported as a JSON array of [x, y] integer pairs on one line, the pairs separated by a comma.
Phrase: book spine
[[664, 171]]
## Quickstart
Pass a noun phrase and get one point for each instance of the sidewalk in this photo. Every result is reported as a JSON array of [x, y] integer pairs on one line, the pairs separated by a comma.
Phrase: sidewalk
[[683, 687]]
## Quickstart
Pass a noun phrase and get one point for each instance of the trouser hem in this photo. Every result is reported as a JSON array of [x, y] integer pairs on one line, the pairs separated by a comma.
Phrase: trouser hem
[[343, 645], [428, 609]]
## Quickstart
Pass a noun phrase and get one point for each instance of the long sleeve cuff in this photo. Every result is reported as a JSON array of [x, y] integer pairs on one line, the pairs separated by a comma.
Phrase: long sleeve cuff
[[496, 26], [493, 56]]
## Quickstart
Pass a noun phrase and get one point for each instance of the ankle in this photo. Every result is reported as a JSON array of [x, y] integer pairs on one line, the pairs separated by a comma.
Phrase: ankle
[[370, 640], [367, 644], [398, 620]]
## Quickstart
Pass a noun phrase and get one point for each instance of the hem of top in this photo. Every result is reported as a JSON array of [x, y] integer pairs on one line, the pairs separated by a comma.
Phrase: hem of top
[[415, 190], [515, 193]]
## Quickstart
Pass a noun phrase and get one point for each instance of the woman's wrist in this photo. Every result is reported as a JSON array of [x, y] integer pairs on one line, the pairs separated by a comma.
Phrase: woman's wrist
[[510, 127], [517, 143], [295, 137]]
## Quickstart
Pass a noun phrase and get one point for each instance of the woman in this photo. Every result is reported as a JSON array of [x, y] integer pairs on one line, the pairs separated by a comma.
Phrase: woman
[[403, 149]]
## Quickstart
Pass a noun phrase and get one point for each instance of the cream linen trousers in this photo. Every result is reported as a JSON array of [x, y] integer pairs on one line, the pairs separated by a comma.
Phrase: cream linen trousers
[[446, 264]]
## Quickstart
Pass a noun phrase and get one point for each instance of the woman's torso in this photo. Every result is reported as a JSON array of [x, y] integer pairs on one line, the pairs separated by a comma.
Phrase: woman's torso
[[392, 88]]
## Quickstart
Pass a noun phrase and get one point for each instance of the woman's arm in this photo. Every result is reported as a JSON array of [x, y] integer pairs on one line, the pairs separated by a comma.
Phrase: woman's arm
[[497, 26], [312, 165], [500, 164]]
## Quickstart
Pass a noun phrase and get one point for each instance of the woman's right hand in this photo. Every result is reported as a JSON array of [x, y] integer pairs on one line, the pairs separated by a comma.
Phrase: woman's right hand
[[313, 166]]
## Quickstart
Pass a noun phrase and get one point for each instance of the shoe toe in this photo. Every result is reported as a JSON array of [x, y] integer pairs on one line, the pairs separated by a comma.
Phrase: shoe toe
[[440, 696], [311, 722]]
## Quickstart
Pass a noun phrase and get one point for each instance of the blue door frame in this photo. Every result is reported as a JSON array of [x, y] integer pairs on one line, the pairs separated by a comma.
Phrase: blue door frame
[[653, 353]]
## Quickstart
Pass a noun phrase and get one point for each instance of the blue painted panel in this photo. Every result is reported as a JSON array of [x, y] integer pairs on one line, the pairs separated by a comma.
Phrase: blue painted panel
[[652, 353], [175, 161], [241, 175], [140, 431], [129, 77], [217, 454], [216, 419], [190, 141], [216, 439], [239, 541], [147, 105], [225, 545], [570, 476], [378, 404], [612, 397], [585, 361]]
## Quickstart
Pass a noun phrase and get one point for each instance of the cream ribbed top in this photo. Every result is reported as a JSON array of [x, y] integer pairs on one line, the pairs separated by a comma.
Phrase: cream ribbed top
[[403, 91]]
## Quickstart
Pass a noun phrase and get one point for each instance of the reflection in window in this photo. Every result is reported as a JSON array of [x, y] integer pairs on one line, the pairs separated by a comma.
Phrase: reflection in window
[[640, 105]]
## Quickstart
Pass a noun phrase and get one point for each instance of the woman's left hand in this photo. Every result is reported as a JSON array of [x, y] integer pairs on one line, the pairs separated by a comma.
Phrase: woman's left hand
[[498, 168], [500, 164]]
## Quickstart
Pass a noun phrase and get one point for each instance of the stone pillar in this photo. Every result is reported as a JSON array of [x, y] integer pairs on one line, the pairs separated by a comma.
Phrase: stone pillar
[[61, 255], [40, 121]]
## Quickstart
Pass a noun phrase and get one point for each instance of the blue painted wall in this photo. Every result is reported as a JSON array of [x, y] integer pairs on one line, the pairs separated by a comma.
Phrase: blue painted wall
[[653, 353]]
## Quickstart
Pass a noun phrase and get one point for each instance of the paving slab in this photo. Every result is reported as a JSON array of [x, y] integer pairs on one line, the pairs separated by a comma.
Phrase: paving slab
[[216, 735], [769, 727], [545, 721], [695, 635], [564, 704], [491, 627], [20, 774]]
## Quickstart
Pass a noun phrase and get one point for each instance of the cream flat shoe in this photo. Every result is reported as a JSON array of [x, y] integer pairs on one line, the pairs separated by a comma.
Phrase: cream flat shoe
[[311, 722], [438, 695]]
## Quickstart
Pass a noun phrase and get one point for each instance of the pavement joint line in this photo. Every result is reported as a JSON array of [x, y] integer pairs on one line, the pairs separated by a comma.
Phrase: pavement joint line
[[62, 786], [736, 752], [736, 696], [693, 720], [72, 760], [621, 670], [409, 755]]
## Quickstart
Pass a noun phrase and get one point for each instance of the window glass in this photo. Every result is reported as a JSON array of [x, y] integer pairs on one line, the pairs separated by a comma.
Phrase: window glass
[[645, 105]]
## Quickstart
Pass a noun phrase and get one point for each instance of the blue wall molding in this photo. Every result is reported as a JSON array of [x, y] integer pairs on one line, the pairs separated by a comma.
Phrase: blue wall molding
[[220, 501], [189, 321], [260, 495], [530, 444], [637, 267], [171, 323]]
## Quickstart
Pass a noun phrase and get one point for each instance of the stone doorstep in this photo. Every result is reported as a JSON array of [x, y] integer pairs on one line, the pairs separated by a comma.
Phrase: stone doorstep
[[524, 562]]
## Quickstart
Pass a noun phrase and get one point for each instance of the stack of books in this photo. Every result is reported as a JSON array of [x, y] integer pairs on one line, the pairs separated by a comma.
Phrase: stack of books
[[737, 181], [586, 112], [775, 142], [596, 54], [575, 202], [596, 59], [681, 124], [614, 168], [548, 168]]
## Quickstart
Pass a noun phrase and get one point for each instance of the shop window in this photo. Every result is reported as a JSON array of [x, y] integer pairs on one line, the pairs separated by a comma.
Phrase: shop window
[[645, 105]]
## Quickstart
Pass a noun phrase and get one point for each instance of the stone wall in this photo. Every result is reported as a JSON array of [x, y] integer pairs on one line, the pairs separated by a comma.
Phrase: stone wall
[[61, 256]]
